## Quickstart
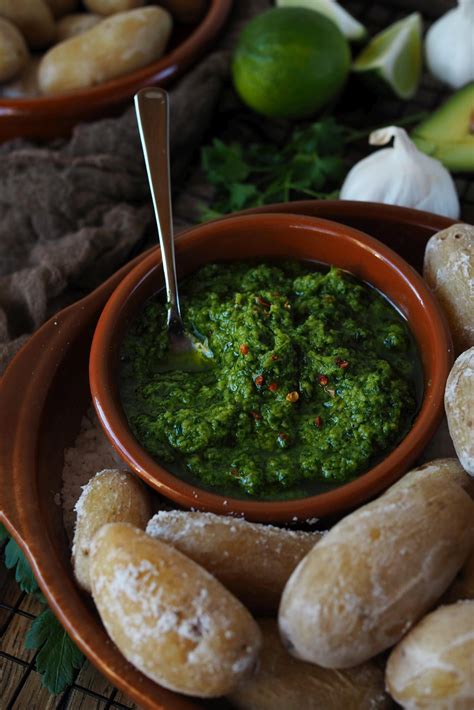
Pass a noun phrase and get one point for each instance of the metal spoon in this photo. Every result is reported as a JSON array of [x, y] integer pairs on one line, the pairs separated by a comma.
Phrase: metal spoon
[[185, 351]]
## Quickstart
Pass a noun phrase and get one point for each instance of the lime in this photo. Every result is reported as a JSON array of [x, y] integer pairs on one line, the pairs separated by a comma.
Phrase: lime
[[349, 26], [394, 57], [289, 62]]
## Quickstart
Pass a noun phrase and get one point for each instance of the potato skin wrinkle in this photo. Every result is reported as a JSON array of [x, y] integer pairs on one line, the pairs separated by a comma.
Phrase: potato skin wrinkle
[[376, 572], [13, 51], [169, 617], [253, 561], [433, 667], [116, 46], [459, 405], [111, 496], [284, 683], [449, 271]]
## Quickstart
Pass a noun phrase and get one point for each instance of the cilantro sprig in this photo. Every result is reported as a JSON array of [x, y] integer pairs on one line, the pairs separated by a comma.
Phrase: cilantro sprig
[[309, 164], [58, 659]]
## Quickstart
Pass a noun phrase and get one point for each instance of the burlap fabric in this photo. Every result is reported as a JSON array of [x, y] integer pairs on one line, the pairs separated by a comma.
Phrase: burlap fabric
[[73, 211]]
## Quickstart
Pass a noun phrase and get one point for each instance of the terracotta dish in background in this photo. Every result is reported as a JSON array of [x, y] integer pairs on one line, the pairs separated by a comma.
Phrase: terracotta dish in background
[[274, 236], [51, 373], [46, 117]]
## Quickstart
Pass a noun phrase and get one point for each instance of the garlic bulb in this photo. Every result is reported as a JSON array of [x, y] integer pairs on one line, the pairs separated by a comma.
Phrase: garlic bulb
[[402, 175], [449, 46]]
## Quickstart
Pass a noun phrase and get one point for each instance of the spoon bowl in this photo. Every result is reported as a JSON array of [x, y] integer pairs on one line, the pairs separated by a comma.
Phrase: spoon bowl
[[186, 351]]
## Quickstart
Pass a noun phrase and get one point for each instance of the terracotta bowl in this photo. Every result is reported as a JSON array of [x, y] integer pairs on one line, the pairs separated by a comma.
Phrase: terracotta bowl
[[273, 236], [46, 117], [51, 375]]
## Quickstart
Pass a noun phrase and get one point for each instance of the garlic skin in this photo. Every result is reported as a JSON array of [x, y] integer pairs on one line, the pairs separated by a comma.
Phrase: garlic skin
[[449, 46], [401, 175]]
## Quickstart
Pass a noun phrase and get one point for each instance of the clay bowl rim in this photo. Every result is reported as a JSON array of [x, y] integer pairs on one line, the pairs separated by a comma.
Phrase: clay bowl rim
[[113, 421], [111, 92]]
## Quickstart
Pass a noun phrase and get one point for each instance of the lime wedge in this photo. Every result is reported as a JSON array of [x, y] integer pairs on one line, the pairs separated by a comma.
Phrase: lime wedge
[[394, 57], [349, 26]]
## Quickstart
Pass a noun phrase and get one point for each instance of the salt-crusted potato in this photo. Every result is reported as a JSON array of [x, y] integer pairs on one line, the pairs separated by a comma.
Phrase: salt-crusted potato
[[283, 683], [459, 405], [112, 496], [446, 470], [13, 51], [169, 617], [449, 270], [62, 7], [376, 572], [116, 46], [229, 547], [73, 25], [111, 7], [33, 18], [433, 667]]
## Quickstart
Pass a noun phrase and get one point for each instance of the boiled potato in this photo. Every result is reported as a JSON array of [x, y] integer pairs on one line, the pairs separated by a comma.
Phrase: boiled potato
[[26, 83], [253, 561], [72, 25], [116, 46], [433, 667], [169, 617], [62, 7], [449, 270], [283, 683], [446, 470], [111, 496], [376, 572], [459, 405], [33, 18], [13, 51], [111, 7]]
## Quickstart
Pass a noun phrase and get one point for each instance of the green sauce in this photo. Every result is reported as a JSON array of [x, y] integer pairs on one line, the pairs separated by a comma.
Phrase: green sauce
[[315, 377]]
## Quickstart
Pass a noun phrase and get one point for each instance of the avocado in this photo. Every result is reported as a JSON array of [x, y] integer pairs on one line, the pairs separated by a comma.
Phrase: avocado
[[448, 134]]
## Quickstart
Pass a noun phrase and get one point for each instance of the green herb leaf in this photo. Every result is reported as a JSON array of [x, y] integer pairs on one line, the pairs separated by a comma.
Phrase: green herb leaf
[[309, 162], [224, 163], [58, 658], [14, 558]]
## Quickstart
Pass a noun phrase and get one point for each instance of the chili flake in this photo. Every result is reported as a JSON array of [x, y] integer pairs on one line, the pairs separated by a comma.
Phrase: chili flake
[[259, 380], [261, 302], [273, 387], [275, 357], [342, 363], [292, 396], [318, 422], [323, 380], [244, 349], [234, 472], [256, 415]]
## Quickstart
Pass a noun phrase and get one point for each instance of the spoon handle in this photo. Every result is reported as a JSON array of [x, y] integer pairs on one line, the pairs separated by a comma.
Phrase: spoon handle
[[152, 110]]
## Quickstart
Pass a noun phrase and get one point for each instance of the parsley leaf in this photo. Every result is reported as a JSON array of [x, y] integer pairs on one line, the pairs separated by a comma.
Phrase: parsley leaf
[[58, 658], [309, 163], [14, 557]]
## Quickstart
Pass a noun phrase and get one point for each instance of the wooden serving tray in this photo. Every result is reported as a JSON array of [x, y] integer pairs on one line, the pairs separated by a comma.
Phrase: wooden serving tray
[[43, 396]]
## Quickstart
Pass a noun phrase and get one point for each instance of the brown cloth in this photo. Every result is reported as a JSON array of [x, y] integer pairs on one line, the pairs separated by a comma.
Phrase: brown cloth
[[72, 212]]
